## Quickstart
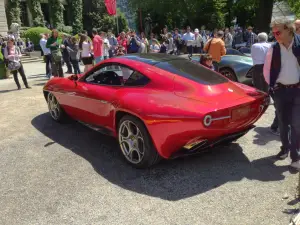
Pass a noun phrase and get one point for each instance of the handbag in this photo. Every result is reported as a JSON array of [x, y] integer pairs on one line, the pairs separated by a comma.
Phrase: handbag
[[13, 65], [56, 54]]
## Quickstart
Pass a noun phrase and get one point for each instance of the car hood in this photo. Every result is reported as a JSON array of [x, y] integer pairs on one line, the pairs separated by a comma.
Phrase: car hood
[[219, 94]]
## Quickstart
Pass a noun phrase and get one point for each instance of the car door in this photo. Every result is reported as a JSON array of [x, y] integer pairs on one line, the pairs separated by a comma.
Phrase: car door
[[97, 93]]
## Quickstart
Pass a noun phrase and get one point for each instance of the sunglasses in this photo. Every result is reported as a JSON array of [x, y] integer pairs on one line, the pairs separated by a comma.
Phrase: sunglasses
[[277, 33]]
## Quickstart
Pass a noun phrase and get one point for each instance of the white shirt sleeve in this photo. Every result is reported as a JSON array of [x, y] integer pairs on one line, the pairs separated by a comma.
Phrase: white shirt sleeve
[[267, 65]]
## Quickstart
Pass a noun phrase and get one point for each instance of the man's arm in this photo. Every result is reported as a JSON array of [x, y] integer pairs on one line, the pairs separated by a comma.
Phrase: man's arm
[[267, 65], [223, 49]]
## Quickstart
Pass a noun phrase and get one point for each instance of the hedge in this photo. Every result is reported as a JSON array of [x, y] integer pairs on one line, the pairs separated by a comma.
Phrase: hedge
[[34, 35]]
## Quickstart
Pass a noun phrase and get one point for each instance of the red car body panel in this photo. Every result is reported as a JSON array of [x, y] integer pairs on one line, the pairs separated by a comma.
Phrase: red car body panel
[[172, 107]]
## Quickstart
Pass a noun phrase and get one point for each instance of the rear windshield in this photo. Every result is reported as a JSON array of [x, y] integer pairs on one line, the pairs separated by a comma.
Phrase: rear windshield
[[193, 71]]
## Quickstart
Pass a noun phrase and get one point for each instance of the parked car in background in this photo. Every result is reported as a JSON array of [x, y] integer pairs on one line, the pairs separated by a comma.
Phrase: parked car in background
[[237, 68]]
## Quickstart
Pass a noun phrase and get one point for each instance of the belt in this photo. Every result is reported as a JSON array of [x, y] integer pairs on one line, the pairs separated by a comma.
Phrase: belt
[[279, 85]]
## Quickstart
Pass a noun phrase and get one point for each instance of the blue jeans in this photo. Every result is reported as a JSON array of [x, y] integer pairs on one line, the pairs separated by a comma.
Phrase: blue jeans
[[98, 59], [287, 103]]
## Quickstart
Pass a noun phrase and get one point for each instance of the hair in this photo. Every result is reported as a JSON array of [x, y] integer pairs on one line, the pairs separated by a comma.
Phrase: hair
[[84, 32], [176, 29], [73, 40], [220, 34], [83, 38], [205, 58], [54, 31], [11, 39], [286, 23], [94, 31], [250, 28], [262, 37]]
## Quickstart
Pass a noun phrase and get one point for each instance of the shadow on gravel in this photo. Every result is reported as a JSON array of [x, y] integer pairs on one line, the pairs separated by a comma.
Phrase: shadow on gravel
[[264, 136], [6, 91], [36, 76], [171, 179], [40, 84]]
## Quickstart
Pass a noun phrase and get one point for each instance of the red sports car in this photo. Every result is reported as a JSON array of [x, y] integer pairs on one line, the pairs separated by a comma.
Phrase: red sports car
[[157, 105]]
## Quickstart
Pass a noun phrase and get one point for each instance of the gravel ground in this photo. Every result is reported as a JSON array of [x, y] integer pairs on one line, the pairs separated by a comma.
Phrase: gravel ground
[[69, 174]]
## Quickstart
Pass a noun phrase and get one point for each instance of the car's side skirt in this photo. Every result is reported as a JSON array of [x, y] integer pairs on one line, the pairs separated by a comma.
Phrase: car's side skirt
[[99, 129]]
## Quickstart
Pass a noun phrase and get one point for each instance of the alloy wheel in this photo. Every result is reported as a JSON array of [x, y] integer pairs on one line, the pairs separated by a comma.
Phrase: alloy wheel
[[229, 74], [131, 142], [53, 106]]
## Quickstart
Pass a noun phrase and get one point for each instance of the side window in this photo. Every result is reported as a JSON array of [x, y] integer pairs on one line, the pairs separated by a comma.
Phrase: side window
[[113, 75], [137, 79]]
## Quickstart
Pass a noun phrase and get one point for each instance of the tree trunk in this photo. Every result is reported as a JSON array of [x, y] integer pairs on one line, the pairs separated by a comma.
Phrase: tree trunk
[[37, 13], [264, 16]]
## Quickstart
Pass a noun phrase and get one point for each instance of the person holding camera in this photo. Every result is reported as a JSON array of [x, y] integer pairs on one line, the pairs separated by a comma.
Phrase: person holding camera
[[133, 42]]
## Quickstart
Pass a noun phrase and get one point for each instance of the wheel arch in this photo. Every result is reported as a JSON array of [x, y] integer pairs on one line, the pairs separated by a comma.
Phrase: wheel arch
[[231, 69], [46, 94]]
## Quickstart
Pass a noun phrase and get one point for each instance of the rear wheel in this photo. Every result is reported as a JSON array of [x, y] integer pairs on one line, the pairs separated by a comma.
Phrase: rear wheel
[[55, 110], [228, 73], [136, 143]]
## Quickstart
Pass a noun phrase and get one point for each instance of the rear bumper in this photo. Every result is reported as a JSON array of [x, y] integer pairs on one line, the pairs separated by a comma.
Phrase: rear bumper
[[206, 145]]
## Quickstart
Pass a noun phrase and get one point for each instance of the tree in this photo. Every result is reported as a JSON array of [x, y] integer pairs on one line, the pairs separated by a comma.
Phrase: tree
[[13, 12], [295, 7], [56, 13], [77, 8], [264, 15], [37, 13]]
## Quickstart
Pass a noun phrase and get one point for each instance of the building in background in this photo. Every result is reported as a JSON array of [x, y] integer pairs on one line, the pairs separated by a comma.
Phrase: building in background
[[3, 20]]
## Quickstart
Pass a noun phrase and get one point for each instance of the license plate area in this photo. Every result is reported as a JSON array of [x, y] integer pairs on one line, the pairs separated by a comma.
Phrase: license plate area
[[240, 113]]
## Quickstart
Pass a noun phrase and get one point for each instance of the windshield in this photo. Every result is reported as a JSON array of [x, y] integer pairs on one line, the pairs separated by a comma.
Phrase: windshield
[[193, 71]]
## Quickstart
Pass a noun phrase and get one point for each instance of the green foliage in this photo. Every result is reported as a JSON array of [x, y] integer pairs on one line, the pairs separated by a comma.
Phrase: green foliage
[[34, 34], [56, 13], [13, 12], [173, 13], [36, 11], [66, 29], [76, 6], [295, 7], [98, 18]]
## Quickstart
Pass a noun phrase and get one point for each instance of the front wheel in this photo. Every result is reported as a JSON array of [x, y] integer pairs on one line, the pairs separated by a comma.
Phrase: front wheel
[[136, 143], [55, 109]]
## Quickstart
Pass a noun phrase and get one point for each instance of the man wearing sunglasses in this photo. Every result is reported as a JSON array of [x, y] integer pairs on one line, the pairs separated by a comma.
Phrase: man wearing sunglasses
[[282, 73]]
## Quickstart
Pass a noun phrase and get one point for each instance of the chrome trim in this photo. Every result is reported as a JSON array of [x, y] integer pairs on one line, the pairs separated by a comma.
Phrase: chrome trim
[[221, 118]]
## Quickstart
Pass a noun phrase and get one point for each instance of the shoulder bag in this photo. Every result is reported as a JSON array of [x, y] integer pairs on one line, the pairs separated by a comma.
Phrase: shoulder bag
[[13, 65]]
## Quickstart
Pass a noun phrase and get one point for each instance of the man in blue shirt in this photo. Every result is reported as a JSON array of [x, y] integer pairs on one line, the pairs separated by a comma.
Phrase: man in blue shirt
[[189, 38]]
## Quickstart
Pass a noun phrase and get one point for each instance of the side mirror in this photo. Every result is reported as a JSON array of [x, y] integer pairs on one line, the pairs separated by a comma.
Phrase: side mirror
[[74, 77]]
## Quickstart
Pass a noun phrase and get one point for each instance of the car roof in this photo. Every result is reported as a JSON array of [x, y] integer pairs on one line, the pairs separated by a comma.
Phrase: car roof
[[180, 66], [151, 58]]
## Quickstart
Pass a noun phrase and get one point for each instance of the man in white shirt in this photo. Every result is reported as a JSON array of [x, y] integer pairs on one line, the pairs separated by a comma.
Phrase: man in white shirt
[[189, 39], [198, 43], [47, 54], [258, 54], [282, 73]]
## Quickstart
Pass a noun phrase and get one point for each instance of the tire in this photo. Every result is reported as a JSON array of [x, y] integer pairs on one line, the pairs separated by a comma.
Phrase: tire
[[228, 73], [56, 111], [136, 143]]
